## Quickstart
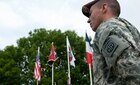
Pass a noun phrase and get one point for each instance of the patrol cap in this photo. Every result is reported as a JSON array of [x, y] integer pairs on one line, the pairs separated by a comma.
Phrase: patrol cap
[[86, 7]]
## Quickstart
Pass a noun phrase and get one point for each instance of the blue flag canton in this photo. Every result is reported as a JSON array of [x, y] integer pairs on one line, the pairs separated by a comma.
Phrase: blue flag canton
[[87, 39], [37, 57]]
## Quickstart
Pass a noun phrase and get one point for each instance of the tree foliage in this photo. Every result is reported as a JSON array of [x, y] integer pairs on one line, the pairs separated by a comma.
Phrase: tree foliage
[[17, 63], [9, 66]]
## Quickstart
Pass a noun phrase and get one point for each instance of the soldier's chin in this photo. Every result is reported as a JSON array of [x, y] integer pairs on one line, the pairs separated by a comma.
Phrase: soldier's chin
[[94, 29]]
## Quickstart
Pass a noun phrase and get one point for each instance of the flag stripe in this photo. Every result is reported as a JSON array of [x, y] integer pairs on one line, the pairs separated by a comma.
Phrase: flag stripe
[[88, 47], [89, 58]]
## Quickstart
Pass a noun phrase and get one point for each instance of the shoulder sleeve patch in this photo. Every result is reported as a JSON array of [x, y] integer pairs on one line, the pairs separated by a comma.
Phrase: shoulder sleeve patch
[[109, 47], [112, 48]]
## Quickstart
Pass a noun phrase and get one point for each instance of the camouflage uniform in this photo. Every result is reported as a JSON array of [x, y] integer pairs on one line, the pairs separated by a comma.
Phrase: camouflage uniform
[[116, 53]]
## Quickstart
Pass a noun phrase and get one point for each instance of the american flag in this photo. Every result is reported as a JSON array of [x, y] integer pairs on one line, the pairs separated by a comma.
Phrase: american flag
[[37, 68]]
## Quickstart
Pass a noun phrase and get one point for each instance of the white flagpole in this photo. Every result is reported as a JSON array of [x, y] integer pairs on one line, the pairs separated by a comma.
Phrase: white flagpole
[[52, 73], [90, 74], [68, 61], [69, 70], [37, 82]]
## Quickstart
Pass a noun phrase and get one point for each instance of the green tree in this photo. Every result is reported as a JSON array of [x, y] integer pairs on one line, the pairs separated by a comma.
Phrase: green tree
[[21, 59], [9, 66]]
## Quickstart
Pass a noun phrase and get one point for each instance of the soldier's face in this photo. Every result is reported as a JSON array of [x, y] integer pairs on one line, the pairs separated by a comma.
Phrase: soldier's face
[[95, 17]]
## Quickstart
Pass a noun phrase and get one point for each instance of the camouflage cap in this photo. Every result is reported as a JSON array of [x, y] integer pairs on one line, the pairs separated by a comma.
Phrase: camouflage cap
[[86, 7]]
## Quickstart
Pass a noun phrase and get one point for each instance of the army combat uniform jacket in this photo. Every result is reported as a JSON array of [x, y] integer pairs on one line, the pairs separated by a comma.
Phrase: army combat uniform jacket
[[116, 56]]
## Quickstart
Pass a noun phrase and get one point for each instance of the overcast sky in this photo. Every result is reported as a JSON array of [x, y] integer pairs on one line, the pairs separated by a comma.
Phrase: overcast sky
[[18, 17]]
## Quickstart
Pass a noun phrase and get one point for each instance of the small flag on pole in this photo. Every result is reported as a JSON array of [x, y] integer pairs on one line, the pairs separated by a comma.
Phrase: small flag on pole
[[88, 51], [70, 54], [37, 68], [52, 57]]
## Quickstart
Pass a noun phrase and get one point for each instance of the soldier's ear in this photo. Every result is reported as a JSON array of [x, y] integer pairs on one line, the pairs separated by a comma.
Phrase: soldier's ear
[[104, 7]]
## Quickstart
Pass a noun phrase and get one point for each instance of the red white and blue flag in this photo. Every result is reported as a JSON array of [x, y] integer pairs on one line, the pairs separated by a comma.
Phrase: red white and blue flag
[[70, 54], [88, 51], [37, 68]]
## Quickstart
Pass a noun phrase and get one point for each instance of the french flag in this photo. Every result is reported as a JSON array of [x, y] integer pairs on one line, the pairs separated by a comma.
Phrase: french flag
[[88, 51]]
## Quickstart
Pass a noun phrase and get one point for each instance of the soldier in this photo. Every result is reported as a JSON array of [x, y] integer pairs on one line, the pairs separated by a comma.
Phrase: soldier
[[116, 44]]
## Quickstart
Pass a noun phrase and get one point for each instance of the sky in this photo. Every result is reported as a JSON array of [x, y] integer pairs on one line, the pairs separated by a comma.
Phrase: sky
[[19, 17]]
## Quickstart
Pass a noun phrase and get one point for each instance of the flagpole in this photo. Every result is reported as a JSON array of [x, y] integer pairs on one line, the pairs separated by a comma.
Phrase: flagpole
[[68, 69], [90, 74], [37, 82], [52, 73], [68, 61]]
